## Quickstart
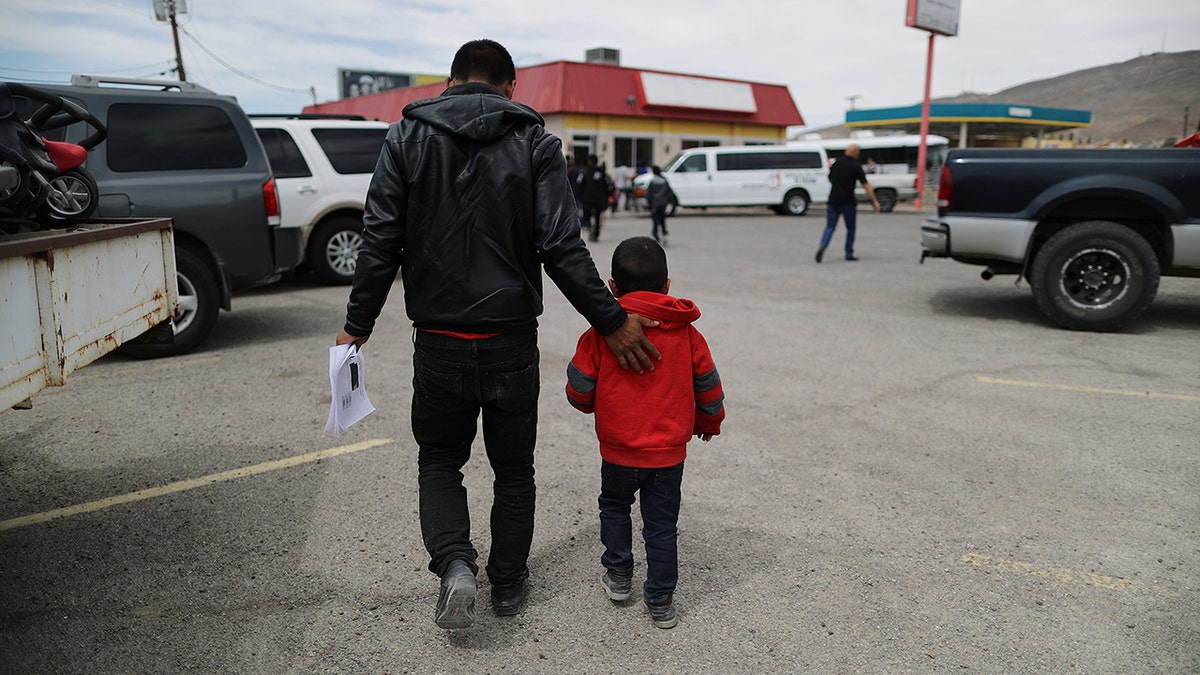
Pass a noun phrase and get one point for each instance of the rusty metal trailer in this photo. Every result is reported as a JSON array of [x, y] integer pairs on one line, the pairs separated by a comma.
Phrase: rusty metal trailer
[[68, 297]]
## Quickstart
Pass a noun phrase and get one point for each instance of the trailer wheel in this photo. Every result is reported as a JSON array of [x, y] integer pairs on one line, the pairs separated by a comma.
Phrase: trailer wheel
[[199, 304], [1096, 275]]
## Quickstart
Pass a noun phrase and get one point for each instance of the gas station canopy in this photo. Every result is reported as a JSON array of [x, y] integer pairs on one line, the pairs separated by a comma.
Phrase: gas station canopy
[[974, 124]]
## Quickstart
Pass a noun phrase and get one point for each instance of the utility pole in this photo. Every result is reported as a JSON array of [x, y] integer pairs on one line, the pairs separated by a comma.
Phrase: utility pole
[[165, 10], [175, 35]]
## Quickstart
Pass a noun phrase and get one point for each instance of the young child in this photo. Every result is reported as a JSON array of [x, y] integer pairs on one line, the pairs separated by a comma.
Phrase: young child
[[644, 422]]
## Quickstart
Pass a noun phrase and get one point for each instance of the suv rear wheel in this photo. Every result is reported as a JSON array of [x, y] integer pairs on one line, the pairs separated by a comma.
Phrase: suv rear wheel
[[333, 250], [198, 306]]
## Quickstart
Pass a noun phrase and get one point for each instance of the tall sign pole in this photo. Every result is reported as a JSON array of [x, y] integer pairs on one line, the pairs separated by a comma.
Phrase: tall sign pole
[[939, 17], [923, 149]]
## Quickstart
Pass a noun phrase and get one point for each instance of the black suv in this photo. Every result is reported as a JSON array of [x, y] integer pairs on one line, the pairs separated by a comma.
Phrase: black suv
[[178, 150]]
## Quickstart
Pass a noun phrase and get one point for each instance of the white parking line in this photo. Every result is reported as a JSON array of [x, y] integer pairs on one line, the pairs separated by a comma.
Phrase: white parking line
[[180, 486]]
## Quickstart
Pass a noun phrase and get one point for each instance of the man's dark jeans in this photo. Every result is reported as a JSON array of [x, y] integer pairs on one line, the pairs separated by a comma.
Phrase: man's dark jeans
[[849, 212], [453, 381], [659, 496]]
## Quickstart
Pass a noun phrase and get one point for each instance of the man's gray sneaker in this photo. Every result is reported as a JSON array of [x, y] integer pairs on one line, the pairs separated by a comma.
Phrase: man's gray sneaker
[[456, 597], [663, 614], [617, 584]]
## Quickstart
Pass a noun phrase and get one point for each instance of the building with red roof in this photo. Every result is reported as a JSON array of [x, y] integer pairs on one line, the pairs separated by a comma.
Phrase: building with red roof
[[623, 115]]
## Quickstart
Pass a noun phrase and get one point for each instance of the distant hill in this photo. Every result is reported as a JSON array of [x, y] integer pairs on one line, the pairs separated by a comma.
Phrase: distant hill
[[1141, 100]]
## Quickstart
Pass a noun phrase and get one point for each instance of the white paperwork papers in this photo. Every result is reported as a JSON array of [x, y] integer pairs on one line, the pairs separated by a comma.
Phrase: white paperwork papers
[[349, 402]]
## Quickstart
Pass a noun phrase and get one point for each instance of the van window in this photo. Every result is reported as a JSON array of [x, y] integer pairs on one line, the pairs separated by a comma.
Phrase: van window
[[169, 137], [693, 163], [758, 161], [351, 150], [283, 154]]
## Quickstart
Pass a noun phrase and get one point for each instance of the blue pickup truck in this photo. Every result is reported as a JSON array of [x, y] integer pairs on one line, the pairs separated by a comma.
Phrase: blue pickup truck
[[1092, 230]]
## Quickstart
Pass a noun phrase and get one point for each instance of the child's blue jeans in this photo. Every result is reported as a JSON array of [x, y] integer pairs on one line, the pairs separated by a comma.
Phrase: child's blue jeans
[[660, 495]]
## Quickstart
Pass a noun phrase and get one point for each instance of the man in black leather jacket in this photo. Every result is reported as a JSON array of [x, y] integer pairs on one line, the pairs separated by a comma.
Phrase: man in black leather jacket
[[469, 202]]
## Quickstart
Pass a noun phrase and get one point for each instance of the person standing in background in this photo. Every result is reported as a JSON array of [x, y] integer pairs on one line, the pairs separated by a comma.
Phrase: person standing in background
[[660, 197], [597, 189], [843, 174]]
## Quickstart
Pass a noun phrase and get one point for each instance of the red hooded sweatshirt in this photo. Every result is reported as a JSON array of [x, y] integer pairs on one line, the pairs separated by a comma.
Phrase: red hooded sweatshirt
[[646, 420]]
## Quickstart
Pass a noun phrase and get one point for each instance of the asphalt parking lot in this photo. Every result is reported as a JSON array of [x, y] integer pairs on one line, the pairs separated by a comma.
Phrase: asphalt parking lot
[[919, 473]]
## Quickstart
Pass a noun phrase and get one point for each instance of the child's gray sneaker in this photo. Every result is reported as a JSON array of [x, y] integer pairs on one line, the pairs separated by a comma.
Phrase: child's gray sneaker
[[663, 614], [617, 584], [456, 597]]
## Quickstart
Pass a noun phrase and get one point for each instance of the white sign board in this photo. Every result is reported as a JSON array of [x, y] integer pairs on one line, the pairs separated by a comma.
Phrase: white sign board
[[680, 91], [938, 16]]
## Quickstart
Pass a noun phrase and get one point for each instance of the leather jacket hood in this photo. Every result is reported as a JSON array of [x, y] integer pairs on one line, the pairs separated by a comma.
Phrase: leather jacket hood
[[473, 111], [469, 202]]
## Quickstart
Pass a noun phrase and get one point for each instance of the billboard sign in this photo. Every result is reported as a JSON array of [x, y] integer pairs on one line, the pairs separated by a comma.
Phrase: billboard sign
[[362, 82], [937, 16]]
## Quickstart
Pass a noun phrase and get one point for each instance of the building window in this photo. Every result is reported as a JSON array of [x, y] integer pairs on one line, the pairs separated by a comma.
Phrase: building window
[[688, 143], [581, 147], [633, 152]]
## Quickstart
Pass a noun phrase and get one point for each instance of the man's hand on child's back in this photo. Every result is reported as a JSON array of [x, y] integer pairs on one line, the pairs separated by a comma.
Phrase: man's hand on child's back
[[705, 437], [631, 346]]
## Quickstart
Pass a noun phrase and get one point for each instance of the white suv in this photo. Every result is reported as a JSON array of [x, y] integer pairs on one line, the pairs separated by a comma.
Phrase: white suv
[[323, 166]]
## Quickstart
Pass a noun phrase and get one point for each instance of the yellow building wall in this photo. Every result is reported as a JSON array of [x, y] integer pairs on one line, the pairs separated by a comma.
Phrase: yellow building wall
[[668, 135]]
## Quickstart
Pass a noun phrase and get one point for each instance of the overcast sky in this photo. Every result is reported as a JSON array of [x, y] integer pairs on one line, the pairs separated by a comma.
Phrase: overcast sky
[[823, 51]]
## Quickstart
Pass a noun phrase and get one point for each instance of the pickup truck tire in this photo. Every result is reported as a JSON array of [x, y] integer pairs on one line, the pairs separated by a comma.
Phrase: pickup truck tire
[[199, 304], [795, 203], [887, 199], [1096, 275], [333, 250]]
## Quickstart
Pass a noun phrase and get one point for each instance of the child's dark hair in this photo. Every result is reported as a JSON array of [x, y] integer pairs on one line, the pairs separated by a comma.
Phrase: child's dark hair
[[639, 264], [483, 59]]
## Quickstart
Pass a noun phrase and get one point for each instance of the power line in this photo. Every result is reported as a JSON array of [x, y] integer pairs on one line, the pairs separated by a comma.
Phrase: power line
[[239, 72]]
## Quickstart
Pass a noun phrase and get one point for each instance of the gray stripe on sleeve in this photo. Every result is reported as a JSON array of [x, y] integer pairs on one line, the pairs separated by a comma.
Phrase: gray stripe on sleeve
[[579, 381], [703, 383]]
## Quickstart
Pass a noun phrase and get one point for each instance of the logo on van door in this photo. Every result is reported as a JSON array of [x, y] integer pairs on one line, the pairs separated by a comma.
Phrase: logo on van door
[[774, 180]]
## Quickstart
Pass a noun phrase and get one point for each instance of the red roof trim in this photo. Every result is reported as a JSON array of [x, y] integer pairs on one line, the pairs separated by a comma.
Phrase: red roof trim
[[565, 87]]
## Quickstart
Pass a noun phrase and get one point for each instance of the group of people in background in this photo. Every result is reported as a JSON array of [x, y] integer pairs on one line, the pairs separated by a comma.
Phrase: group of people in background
[[596, 192]]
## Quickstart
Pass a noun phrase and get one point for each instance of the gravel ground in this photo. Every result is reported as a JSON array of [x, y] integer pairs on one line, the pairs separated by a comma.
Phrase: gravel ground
[[919, 473]]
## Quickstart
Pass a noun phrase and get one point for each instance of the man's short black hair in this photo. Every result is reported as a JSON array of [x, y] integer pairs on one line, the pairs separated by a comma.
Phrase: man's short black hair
[[639, 264], [485, 60]]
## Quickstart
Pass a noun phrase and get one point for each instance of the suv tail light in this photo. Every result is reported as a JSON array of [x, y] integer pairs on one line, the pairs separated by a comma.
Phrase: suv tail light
[[271, 199], [945, 188]]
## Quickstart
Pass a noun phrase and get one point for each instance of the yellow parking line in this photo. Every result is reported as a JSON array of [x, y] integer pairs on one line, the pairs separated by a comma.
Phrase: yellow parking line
[[1062, 575], [180, 486], [142, 369], [1088, 390]]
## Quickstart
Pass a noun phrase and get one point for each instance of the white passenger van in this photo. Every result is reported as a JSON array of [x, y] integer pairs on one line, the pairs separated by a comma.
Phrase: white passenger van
[[895, 156], [784, 179]]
